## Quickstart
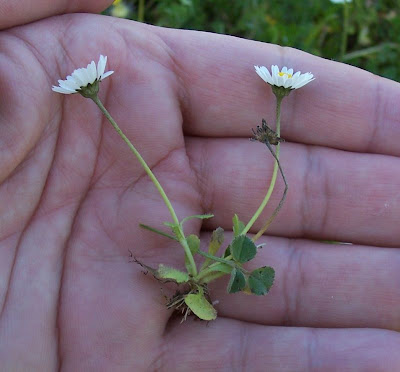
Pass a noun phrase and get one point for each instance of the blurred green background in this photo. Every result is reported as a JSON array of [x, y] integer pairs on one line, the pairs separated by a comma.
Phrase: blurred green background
[[363, 33]]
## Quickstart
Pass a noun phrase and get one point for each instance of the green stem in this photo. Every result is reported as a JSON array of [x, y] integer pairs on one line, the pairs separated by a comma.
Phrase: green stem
[[203, 274], [215, 258], [141, 11], [278, 208], [274, 172], [146, 227], [368, 51], [210, 269], [212, 276], [345, 31], [182, 239]]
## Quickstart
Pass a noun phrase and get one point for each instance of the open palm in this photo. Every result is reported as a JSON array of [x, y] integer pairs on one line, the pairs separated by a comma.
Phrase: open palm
[[72, 196]]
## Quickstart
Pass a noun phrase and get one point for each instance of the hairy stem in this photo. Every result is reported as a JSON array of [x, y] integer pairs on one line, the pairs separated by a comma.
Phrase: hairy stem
[[274, 172], [210, 272], [212, 276], [277, 209], [182, 239]]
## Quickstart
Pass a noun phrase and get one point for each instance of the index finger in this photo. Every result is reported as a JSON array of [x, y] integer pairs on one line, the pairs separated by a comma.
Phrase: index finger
[[345, 107], [14, 13]]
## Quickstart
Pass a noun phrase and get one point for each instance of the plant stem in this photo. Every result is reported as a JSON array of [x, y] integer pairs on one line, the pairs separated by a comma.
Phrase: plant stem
[[277, 209], [212, 276], [182, 239], [274, 172], [141, 11], [371, 50], [345, 31], [143, 226]]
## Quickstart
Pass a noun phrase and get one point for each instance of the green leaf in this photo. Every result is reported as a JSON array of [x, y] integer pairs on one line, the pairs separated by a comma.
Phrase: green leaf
[[237, 281], [227, 252], [157, 231], [217, 238], [193, 242], [238, 226], [243, 249], [199, 216], [166, 272], [200, 306], [261, 280]]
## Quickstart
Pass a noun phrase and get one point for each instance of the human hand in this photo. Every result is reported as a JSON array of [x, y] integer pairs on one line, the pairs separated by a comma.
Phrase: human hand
[[72, 196]]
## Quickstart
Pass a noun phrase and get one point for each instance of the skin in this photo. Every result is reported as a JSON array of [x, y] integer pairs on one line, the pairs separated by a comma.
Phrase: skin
[[72, 196]]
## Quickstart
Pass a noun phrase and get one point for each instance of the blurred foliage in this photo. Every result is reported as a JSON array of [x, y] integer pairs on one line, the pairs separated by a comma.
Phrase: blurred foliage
[[315, 26]]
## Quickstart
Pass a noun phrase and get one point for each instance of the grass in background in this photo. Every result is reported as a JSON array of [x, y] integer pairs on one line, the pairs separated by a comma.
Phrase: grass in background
[[315, 26]]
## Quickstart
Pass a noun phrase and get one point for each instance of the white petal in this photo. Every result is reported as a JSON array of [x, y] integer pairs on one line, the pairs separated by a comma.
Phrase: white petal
[[275, 79], [107, 74], [298, 83], [67, 85], [74, 83], [284, 69], [288, 83], [290, 71], [296, 75], [305, 82], [280, 81], [101, 66], [79, 78], [88, 73], [274, 70], [92, 69], [84, 75], [295, 78], [259, 72], [301, 81], [61, 90], [264, 74]]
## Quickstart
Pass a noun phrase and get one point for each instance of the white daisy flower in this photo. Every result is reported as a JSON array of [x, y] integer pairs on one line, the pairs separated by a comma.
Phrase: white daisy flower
[[284, 78], [83, 77], [340, 1]]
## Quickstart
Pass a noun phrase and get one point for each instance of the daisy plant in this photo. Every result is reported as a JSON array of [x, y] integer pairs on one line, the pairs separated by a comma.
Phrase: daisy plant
[[282, 83], [192, 296]]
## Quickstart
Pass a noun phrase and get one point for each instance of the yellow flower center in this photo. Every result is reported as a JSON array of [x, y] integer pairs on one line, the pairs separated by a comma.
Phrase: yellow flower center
[[285, 73]]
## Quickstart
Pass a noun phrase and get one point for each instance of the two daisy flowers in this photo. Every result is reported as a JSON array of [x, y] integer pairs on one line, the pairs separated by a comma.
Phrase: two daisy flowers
[[83, 77]]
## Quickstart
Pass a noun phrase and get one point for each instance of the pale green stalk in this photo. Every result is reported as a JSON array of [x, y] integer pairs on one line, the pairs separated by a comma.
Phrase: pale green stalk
[[209, 278], [141, 11], [208, 275], [182, 239], [274, 172], [345, 31]]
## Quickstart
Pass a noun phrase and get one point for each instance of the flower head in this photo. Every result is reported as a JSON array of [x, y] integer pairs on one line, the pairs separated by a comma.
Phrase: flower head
[[284, 78], [119, 9], [84, 80], [340, 1]]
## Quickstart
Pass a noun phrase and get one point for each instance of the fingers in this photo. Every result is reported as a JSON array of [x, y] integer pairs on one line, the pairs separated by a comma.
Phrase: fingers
[[333, 195], [344, 107], [319, 285], [227, 345], [14, 13]]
